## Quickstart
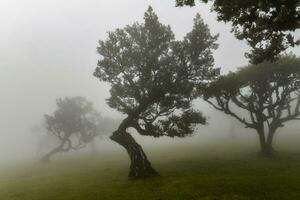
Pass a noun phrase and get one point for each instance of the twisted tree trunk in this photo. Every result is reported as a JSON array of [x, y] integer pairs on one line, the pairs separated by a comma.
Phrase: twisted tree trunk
[[140, 166], [60, 148]]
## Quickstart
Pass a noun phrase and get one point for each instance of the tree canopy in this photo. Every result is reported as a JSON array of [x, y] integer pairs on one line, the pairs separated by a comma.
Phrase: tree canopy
[[269, 92], [75, 123], [266, 25], [153, 77]]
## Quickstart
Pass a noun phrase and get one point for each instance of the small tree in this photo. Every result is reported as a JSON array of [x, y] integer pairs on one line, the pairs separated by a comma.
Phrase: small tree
[[74, 121], [266, 25], [269, 95], [153, 78]]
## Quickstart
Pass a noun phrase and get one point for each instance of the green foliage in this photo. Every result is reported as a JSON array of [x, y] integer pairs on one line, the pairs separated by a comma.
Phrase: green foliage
[[266, 25], [187, 2], [153, 76], [263, 79], [269, 94]]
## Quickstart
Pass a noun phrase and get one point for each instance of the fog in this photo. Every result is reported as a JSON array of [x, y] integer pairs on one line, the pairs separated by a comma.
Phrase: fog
[[48, 51]]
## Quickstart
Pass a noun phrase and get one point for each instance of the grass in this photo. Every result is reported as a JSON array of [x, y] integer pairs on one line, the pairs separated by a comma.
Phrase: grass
[[207, 172]]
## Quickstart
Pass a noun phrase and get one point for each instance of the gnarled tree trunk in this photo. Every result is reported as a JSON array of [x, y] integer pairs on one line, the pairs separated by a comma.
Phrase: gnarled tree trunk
[[60, 148], [140, 166]]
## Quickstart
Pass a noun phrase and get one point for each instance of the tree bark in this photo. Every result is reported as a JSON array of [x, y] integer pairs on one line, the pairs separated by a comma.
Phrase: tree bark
[[140, 166], [266, 144], [270, 141]]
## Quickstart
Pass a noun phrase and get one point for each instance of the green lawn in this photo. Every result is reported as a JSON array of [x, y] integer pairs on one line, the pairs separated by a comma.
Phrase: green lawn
[[208, 172]]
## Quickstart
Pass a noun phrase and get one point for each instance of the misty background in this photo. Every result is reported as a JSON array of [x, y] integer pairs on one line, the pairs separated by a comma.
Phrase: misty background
[[48, 50]]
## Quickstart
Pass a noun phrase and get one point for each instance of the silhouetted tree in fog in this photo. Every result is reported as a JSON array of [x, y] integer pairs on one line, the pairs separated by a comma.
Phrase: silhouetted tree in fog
[[74, 121], [43, 140], [268, 92], [266, 25], [153, 78]]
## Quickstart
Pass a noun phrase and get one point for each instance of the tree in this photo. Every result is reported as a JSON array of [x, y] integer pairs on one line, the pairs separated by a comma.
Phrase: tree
[[74, 121], [153, 79], [266, 25], [268, 93], [43, 140]]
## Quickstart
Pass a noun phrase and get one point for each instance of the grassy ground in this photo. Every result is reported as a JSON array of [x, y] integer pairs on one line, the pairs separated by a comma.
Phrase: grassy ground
[[209, 172]]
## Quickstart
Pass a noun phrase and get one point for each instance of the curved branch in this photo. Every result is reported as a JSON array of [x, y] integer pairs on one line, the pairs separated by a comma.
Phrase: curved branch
[[227, 110]]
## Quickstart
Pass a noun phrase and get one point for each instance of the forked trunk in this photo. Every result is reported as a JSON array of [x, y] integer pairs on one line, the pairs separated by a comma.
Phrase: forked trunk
[[266, 144], [140, 166], [267, 150]]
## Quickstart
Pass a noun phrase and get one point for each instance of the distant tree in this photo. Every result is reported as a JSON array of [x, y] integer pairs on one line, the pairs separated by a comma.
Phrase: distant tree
[[153, 78], [75, 120], [43, 140], [266, 25], [267, 95]]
